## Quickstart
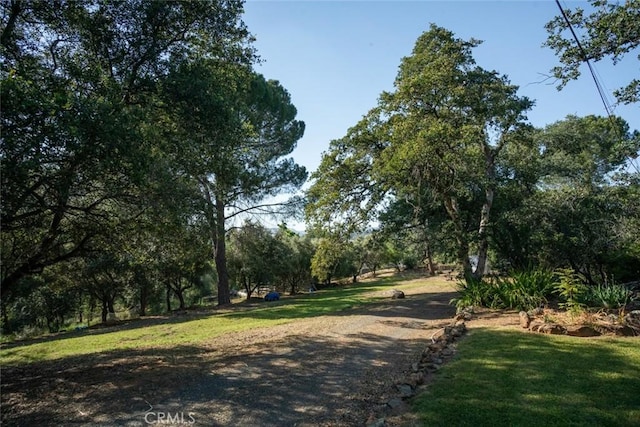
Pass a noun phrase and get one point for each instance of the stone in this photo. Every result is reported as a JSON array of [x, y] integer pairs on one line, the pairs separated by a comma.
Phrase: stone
[[582, 331], [457, 331], [395, 403], [625, 331], [552, 329], [539, 311], [396, 294], [417, 378], [380, 422], [447, 351], [633, 318], [415, 367], [405, 390], [535, 326], [525, 320]]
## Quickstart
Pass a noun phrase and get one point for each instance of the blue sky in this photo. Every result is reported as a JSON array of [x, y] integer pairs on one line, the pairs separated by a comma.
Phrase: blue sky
[[336, 57]]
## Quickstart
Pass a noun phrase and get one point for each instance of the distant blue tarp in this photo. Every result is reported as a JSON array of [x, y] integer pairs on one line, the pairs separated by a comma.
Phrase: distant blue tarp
[[272, 296]]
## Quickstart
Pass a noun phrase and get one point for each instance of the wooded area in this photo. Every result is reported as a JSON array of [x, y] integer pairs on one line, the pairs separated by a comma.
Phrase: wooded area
[[140, 148]]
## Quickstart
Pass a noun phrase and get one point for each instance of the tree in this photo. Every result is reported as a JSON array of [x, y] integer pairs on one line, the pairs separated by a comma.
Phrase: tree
[[238, 128], [612, 30], [296, 271], [78, 90], [257, 257], [577, 210], [443, 129]]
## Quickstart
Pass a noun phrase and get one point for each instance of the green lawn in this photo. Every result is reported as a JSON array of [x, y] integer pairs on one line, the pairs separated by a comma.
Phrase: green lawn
[[194, 331], [512, 378]]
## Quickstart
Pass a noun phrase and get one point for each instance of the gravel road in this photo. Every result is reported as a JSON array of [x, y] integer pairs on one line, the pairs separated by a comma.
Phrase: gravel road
[[333, 370]]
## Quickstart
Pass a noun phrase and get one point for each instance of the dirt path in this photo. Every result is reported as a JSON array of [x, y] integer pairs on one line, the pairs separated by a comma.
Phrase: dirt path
[[325, 371]]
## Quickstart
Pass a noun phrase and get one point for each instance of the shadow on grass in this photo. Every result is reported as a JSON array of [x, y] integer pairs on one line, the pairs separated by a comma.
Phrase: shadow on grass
[[338, 300], [514, 378], [313, 380]]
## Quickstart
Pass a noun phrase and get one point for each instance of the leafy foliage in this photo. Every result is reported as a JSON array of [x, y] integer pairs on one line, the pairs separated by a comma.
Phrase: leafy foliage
[[524, 290], [612, 30]]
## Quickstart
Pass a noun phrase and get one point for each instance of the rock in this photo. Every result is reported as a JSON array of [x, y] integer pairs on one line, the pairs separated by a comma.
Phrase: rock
[[457, 331], [396, 403], [535, 326], [525, 320], [380, 422], [539, 311], [447, 351], [417, 378], [633, 318], [582, 331], [415, 367], [464, 315], [625, 331], [405, 390], [552, 329], [396, 294]]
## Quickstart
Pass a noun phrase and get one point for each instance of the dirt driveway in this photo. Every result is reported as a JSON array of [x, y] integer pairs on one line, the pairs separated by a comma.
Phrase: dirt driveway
[[331, 370]]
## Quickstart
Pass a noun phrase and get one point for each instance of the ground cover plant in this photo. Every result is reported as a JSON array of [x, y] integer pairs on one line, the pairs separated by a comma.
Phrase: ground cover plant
[[502, 377]]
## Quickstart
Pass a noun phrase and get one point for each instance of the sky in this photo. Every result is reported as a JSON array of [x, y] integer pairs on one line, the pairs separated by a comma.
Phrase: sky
[[336, 57]]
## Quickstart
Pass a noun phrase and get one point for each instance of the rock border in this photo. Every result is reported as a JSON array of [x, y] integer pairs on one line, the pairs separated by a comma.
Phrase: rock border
[[629, 326], [438, 352]]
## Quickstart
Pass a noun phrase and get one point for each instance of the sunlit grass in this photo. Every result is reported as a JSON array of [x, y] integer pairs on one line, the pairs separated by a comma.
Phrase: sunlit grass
[[513, 378], [204, 329]]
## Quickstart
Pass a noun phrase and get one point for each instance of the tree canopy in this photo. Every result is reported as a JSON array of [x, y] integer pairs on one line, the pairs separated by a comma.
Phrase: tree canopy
[[611, 31]]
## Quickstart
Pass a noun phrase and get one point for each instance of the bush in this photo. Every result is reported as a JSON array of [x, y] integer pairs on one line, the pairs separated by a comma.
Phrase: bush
[[608, 296], [524, 290], [473, 292], [570, 288]]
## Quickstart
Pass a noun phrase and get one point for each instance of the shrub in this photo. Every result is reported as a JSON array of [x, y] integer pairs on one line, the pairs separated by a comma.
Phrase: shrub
[[473, 292], [523, 291], [608, 296], [570, 288]]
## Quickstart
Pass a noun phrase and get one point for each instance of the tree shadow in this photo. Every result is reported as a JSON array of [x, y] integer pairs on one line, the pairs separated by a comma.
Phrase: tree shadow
[[298, 380]]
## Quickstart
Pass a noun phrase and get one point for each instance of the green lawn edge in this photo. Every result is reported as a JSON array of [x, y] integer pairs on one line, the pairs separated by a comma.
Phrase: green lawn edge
[[502, 377]]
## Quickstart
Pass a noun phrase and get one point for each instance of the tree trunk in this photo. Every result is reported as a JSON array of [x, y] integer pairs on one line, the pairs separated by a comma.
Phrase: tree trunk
[[179, 294], [111, 303], [429, 257], [168, 296], [224, 296], [451, 205], [483, 234], [104, 310]]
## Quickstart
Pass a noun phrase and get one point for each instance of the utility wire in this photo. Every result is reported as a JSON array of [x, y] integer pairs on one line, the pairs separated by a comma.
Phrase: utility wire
[[601, 91]]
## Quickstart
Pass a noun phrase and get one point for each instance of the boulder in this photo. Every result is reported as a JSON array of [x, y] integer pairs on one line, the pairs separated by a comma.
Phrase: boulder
[[553, 329], [633, 319], [405, 390], [396, 294], [525, 320], [536, 326], [582, 331]]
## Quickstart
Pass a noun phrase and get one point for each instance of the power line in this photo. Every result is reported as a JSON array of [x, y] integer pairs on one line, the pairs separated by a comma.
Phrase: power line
[[599, 87]]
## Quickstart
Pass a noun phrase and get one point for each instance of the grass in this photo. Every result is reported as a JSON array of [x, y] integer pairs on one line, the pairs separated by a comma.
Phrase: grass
[[200, 330], [517, 379]]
